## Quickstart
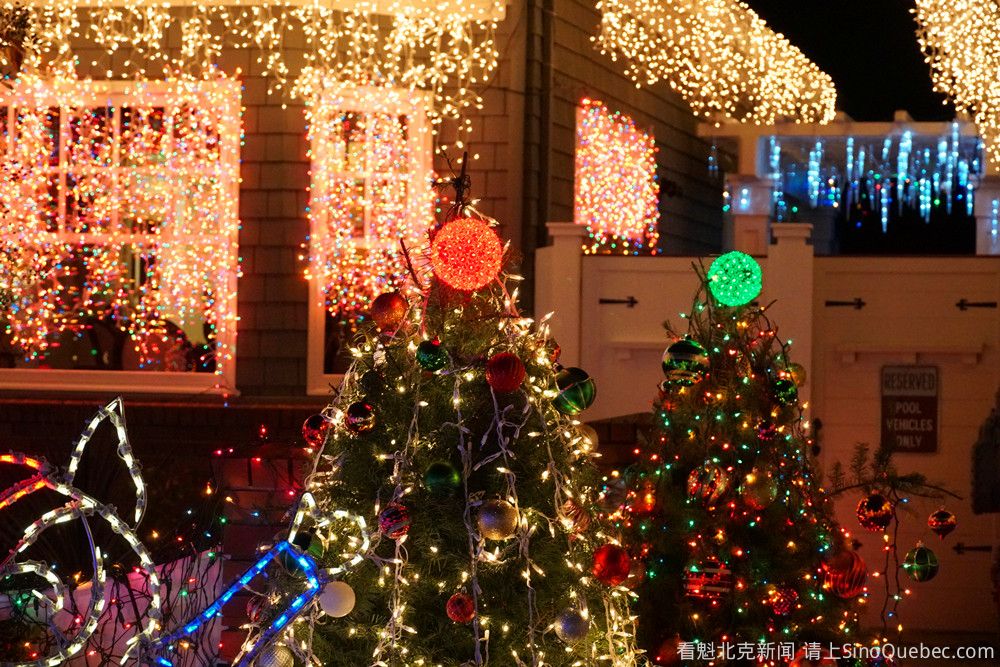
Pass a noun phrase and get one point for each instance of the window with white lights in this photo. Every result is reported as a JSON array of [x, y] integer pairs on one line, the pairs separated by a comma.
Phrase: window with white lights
[[371, 202], [119, 222]]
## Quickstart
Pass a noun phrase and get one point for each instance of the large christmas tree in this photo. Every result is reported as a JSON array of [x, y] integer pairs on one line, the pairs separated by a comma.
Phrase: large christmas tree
[[724, 507], [453, 433]]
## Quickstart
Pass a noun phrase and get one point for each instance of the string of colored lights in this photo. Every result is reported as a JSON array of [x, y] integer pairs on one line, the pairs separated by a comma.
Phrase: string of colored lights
[[719, 56], [615, 192], [122, 201], [371, 189], [960, 43]]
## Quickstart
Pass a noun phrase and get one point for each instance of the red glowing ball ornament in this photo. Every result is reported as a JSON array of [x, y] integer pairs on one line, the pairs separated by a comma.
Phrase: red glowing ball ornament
[[466, 254], [505, 372], [612, 564], [845, 574], [461, 608], [388, 311]]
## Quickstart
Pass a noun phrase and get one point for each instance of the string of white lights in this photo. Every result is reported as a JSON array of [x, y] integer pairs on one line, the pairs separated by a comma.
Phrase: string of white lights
[[960, 40], [720, 56]]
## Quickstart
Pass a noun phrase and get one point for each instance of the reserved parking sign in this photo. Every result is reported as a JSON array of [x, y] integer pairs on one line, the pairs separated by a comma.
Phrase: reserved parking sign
[[910, 408]]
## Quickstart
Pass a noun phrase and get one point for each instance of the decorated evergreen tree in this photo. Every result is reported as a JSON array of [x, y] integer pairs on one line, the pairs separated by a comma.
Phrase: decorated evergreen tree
[[453, 434], [723, 506]]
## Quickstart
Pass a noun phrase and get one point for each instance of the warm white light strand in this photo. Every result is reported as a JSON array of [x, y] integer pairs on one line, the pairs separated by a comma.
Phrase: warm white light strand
[[719, 56]]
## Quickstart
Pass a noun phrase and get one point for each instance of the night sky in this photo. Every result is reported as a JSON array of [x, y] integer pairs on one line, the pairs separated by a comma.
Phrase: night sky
[[870, 49]]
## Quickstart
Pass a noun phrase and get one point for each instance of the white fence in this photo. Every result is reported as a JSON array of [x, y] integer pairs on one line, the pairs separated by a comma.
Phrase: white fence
[[916, 310]]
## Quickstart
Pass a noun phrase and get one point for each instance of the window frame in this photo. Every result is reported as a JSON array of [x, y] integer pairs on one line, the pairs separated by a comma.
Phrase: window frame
[[119, 94], [413, 105]]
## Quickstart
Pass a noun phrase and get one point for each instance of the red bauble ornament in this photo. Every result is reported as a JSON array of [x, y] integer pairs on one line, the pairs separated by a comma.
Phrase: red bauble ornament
[[783, 600], [314, 430], [942, 522], [466, 254], [611, 564], [846, 574], [461, 608], [359, 418], [388, 311], [505, 372], [874, 512], [394, 521]]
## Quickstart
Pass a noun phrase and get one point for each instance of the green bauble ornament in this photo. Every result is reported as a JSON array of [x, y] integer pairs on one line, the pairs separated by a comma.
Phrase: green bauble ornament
[[735, 279], [431, 355], [685, 362], [442, 479], [307, 541], [577, 391], [784, 391], [921, 563]]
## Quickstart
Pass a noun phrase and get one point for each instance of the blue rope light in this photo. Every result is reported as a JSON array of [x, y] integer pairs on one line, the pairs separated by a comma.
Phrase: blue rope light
[[309, 569]]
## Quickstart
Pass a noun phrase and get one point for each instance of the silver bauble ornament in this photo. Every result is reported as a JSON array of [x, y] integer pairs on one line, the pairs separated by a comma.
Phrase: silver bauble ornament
[[571, 626], [275, 656], [337, 599], [497, 520]]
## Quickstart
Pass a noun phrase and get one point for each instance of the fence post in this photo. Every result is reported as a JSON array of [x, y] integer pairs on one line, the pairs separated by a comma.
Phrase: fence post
[[988, 215], [558, 286], [789, 281]]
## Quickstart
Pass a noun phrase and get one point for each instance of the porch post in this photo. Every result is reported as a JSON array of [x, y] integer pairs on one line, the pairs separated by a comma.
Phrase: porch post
[[558, 286], [789, 280]]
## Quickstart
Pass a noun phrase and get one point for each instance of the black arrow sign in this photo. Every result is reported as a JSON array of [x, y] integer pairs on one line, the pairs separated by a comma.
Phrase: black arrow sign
[[965, 304], [631, 301], [961, 548], [856, 304]]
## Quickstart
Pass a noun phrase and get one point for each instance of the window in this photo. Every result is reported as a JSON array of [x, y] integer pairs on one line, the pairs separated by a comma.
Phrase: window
[[615, 191], [371, 190], [119, 208]]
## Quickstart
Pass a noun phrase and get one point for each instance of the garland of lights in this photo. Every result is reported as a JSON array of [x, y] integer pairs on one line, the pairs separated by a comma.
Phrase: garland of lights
[[615, 182], [446, 49], [719, 56], [961, 42]]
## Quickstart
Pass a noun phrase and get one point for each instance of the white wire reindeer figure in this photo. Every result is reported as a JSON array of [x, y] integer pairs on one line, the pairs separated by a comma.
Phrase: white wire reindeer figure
[[71, 632]]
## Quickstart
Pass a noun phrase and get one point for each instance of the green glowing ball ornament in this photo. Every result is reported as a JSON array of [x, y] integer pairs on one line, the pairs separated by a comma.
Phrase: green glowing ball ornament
[[431, 355], [685, 362], [921, 563], [577, 391], [735, 279], [442, 479]]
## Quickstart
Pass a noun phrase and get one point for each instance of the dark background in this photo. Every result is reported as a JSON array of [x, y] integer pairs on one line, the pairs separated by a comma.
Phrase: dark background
[[870, 49]]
